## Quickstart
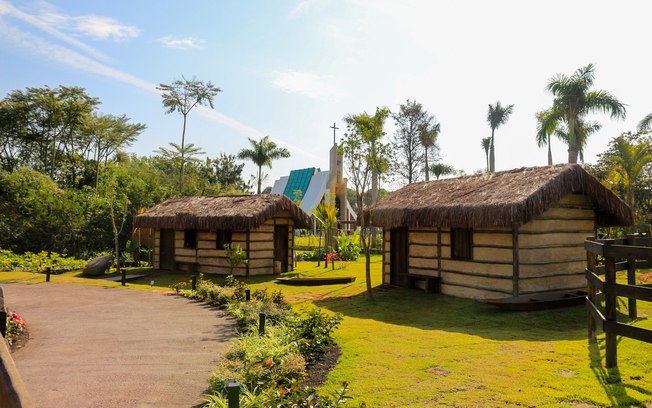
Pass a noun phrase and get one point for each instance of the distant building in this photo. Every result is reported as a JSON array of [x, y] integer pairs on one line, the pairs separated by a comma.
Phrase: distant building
[[311, 186]]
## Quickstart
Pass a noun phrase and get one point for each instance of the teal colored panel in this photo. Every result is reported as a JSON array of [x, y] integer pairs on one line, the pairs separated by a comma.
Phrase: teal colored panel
[[298, 180]]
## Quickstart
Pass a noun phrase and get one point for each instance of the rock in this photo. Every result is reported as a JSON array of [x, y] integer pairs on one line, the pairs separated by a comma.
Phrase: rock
[[98, 266]]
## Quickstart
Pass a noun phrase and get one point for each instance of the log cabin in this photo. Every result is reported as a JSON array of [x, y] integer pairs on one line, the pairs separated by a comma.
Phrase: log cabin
[[190, 232], [495, 235]]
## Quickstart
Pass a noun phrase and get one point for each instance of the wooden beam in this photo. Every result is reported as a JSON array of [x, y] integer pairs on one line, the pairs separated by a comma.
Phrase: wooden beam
[[515, 260], [610, 301], [439, 252], [594, 247]]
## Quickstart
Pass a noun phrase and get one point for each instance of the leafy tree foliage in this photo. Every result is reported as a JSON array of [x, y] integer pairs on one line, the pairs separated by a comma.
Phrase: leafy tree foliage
[[574, 100], [182, 96], [414, 125], [262, 153]]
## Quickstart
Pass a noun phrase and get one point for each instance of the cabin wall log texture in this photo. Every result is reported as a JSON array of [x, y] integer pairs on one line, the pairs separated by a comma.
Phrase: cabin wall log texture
[[551, 256], [210, 259]]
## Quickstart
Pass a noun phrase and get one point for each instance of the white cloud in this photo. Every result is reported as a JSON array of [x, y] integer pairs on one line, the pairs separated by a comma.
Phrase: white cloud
[[103, 28], [304, 83], [181, 43]]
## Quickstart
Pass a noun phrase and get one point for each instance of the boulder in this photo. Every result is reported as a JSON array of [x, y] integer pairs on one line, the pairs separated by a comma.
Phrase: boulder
[[99, 265]]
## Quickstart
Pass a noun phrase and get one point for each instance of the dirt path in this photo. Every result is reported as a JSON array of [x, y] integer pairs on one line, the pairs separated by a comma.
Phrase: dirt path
[[110, 347]]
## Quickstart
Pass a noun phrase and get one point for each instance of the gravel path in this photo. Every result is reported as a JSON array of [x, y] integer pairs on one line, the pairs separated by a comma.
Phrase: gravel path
[[111, 347]]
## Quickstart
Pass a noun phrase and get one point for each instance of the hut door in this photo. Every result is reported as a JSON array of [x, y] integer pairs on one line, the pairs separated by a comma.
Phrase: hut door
[[281, 250], [166, 249], [399, 257]]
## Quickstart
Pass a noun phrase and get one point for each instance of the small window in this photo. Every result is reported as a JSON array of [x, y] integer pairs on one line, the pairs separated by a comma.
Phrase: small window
[[190, 238], [462, 243], [222, 237]]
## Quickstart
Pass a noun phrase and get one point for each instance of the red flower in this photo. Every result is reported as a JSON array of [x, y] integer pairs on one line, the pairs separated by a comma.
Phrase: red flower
[[269, 362], [282, 391], [183, 283], [242, 283]]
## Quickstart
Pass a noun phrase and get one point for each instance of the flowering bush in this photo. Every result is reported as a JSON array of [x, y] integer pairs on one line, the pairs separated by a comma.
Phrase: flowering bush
[[15, 326], [178, 287], [646, 278], [37, 262]]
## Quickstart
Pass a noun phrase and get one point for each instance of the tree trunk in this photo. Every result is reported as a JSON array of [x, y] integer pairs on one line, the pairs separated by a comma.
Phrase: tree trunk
[[549, 152], [183, 143], [260, 175], [427, 170], [573, 152], [492, 158]]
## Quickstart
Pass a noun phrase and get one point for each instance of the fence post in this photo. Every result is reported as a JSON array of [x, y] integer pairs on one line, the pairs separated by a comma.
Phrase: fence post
[[248, 294], [3, 314], [193, 282], [261, 323], [611, 340], [631, 278], [48, 270], [233, 394], [123, 277], [590, 265]]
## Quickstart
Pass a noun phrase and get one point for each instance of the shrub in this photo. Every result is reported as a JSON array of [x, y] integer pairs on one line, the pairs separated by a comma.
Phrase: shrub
[[348, 246], [314, 332], [247, 313], [37, 262]]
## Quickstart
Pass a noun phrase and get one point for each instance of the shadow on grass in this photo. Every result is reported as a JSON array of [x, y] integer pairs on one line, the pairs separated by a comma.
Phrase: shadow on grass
[[610, 379], [416, 309]]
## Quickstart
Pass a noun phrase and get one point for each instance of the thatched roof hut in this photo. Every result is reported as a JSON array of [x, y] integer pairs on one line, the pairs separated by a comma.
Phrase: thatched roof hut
[[496, 199], [236, 212]]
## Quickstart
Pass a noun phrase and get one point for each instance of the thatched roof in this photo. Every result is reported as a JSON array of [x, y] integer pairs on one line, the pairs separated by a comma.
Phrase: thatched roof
[[496, 200], [234, 212]]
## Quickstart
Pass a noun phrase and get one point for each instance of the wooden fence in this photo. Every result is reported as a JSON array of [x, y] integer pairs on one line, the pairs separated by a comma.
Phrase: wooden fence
[[606, 257]]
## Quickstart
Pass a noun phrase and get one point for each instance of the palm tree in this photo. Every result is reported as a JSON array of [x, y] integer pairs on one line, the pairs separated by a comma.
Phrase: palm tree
[[428, 136], [645, 125], [574, 99], [441, 169], [544, 133], [629, 162], [583, 131], [496, 115], [262, 153], [486, 143]]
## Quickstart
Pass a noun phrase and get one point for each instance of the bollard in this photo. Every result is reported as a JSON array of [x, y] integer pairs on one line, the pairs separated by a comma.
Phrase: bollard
[[193, 282], [48, 270], [233, 394], [248, 294], [261, 323], [124, 277]]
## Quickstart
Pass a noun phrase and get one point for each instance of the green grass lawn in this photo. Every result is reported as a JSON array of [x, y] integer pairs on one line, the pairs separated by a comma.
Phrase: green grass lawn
[[411, 349]]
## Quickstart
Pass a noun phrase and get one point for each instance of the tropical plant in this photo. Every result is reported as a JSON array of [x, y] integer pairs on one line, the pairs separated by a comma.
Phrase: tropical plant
[[544, 134], [486, 144], [428, 136], [326, 215], [182, 96], [629, 163], [497, 115], [348, 246], [366, 158], [583, 131], [441, 169], [410, 121], [262, 153], [574, 99], [645, 125], [235, 256]]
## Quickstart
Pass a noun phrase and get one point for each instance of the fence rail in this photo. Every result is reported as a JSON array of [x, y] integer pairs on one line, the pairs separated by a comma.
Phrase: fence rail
[[637, 253]]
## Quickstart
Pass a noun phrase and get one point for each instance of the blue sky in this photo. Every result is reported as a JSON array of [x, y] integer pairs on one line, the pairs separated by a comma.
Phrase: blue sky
[[289, 69]]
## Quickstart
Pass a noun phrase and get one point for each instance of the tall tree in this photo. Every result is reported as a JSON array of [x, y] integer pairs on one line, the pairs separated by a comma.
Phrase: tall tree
[[409, 121], [574, 99], [366, 156], [545, 129], [182, 95], [583, 130], [497, 115], [645, 125], [262, 153], [428, 137], [486, 144]]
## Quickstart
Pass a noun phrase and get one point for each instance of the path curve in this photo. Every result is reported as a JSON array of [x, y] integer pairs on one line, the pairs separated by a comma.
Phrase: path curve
[[112, 347]]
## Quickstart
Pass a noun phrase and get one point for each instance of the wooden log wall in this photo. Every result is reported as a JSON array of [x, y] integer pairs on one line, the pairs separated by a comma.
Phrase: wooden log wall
[[259, 244], [552, 255], [157, 248], [549, 254]]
